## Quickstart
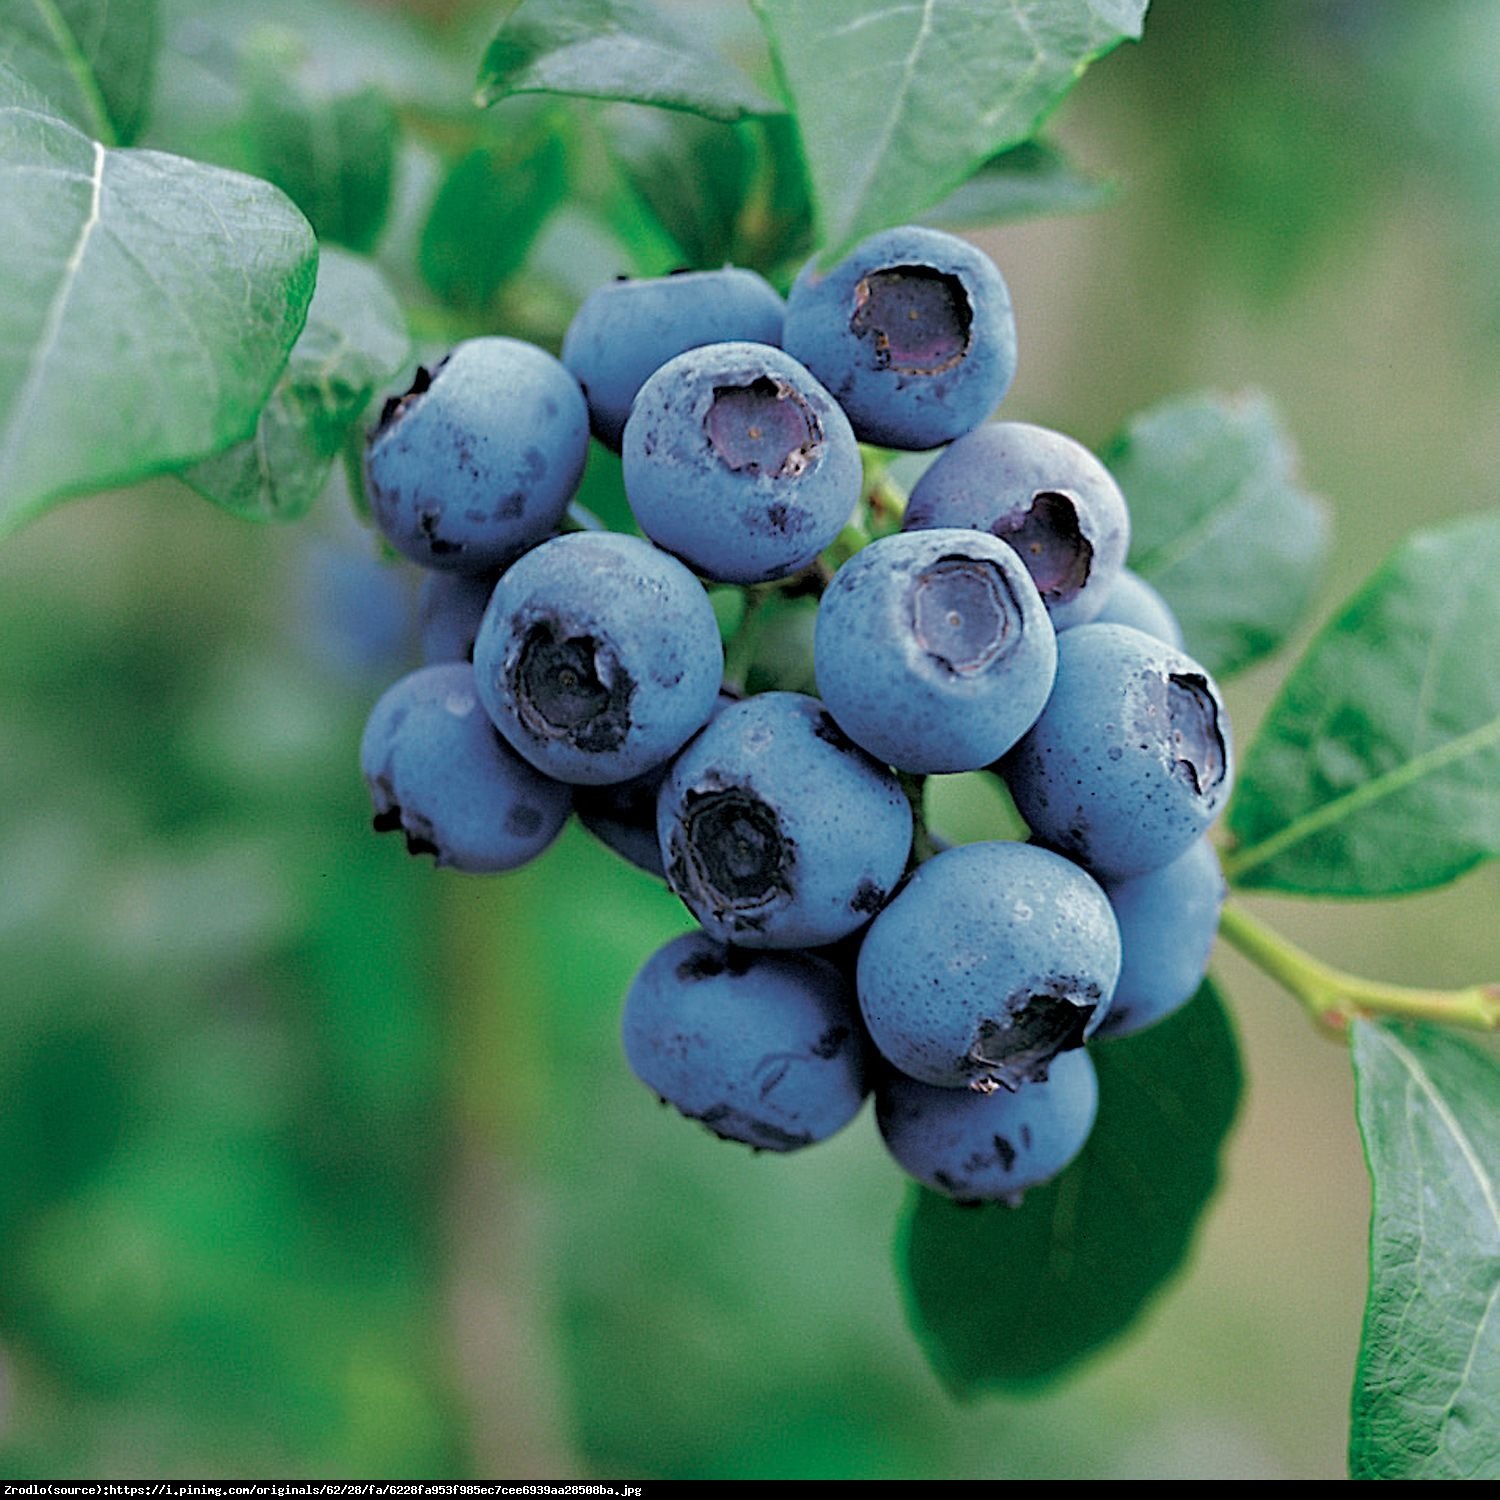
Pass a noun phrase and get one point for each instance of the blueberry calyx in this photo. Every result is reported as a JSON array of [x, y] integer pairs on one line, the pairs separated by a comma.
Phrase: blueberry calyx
[[918, 319], [964, 614], [1037, 1028], [570, 687], [1050, 541], [1197, 741], [764, 427], [733, 855]]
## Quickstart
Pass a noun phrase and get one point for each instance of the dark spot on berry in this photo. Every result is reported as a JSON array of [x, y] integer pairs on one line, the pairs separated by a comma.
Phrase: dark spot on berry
[[916, 319], [511, 507], [1005, 1152], [1049, 539], [826, 728], [964, 614], [831, 1043], [765, 427], [523, 822], [868, 898]]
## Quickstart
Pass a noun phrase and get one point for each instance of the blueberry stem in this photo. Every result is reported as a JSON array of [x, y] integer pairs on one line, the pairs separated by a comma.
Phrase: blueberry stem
[[739, 655], [1334, 997]]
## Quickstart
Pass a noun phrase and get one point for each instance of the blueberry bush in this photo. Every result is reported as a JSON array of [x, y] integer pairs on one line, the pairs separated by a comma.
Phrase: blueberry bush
[[629, 370]]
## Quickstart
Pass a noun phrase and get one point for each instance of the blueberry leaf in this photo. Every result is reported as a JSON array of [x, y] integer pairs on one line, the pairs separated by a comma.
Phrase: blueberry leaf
[[1220, 524], [490, 209], [1087, 1251], [926, 92], [613, 49], [1427, 1382], [1377, 768], [331, 152], [90, 59], [150, 305], [354, 342], [1026, 182]]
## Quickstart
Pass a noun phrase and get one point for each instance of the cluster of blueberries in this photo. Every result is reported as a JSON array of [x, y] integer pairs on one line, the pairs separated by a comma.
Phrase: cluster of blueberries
[[582, 669]]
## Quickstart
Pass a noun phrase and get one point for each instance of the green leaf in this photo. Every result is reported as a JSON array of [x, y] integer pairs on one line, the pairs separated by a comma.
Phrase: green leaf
[[612, 49], [1026, 182], [354, 343], [1007, 1299], [490, 209], [331, 153], [91, 59], [693, 174], [1220, 523], [1377, 768], [1427, 1383], [899, 104], [150, 304]]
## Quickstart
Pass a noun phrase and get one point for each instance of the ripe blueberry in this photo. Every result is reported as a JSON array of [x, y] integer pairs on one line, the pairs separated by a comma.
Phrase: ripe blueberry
[[912, 332], [438, 771], [992, 960], [598, 657], [737, 461], [625, 330], [477, 462], [1046, 495]]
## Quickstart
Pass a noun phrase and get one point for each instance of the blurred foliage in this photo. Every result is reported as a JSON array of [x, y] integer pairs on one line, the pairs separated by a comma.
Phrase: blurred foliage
[[314, 1161]]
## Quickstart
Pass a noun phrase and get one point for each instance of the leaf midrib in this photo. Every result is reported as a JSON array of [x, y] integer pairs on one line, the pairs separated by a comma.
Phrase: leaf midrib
[[1377, 789], [78, 65]]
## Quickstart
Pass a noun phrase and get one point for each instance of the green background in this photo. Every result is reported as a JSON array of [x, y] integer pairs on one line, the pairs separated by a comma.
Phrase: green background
[[314, 1161]]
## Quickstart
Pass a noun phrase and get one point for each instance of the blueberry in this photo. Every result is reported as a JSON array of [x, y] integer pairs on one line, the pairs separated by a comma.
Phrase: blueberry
[[1131, 759], [934, 651], [912, 332], [477, 461], [737, 461], [438, 771], [1132, 601], [975, 1147], [598, 657], [1167, 919], [627, 329], [623, 815], [449, 609], [1046, 495], [992, 960], [778, 832], [764, 1048]]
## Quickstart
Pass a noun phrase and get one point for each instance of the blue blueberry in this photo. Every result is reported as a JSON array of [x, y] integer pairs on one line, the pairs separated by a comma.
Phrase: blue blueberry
[[764, 1048], [933, 650], [1168, 918], [737, 461], [1132, 601], [912, 332], [992, 960], [1131, 759], [1046, 495], [978, 1147], [477, 461], [778, 832], [623, 815], [439, 772], [627, 329], [598, 657], [450, 607]]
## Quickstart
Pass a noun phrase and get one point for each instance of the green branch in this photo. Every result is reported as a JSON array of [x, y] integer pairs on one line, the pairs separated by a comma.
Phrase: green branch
[[1334, 998]]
